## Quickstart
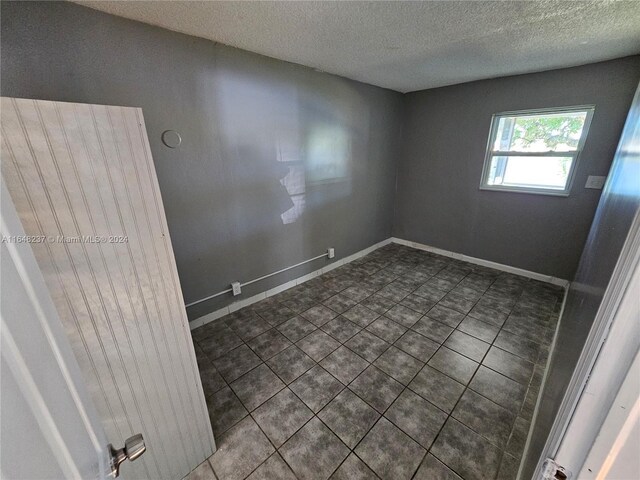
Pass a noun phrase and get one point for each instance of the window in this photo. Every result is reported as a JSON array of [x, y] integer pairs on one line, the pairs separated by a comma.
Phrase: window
[[535, 151]]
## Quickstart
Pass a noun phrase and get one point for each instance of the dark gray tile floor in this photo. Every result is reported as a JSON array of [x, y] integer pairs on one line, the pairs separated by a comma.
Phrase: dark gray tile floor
[[402, 364]]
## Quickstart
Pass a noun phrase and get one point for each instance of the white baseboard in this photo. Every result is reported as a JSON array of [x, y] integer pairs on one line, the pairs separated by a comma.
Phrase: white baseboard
[[210, 317], [485, 263]]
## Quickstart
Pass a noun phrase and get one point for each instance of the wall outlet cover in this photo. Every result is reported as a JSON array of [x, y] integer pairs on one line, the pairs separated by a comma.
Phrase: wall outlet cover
[[595, 182], [235, 286], [331, 252]]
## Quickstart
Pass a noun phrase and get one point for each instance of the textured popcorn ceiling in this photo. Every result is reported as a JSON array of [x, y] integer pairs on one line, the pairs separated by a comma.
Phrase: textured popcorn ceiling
[[407, 46]]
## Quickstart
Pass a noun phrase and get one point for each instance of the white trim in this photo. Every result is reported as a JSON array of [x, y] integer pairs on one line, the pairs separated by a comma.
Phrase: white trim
[[21, 360], [627, 262], [609, 350], [545, 110], [545, 374], [616, 434], [210, 317], [249, 282], [45, 419], [31, 290], [575, 154], [550, 153], [485, 263]]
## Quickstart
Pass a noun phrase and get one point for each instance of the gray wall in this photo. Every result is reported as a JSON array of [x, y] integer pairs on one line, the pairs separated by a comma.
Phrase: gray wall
[[246, 122], [619, 204], [445, 138]]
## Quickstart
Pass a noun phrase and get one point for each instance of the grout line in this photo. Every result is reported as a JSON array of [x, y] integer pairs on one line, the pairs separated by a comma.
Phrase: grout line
[[450, 415], [203, 320], [215, 315], [250, 412], [467, 387], [485, 263], [405, 387], [286, 386]]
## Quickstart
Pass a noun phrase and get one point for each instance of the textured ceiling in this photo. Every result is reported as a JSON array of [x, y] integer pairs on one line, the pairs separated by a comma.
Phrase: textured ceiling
[[407, 46]]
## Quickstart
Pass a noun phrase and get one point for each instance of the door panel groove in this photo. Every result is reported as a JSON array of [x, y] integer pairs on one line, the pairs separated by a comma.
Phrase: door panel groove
[[19, 175], [91, 270], [159, 413], [86, 171], [112, 290], [165, 293], [147, 277]]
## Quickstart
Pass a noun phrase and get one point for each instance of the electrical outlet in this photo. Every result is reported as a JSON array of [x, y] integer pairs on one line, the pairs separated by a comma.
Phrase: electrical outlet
[[331, 252], [235, 286], [595, 182]]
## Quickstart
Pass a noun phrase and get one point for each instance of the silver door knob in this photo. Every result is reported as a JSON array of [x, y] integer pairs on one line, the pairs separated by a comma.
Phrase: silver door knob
[[133, 447]]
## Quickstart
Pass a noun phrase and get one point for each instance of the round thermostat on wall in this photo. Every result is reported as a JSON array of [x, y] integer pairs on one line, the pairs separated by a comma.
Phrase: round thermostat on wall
[[171, 138]]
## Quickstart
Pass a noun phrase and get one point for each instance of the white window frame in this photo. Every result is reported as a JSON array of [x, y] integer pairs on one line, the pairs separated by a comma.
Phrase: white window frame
[[493, 131]]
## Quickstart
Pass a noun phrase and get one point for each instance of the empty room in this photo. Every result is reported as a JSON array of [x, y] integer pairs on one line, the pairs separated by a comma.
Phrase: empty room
[[320, 240]]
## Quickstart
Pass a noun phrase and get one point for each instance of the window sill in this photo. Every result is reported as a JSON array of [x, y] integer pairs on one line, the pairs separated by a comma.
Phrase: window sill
[[551, 193]]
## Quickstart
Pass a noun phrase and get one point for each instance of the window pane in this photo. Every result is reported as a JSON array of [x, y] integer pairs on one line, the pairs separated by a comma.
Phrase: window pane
[[534, 172], [555, 132]]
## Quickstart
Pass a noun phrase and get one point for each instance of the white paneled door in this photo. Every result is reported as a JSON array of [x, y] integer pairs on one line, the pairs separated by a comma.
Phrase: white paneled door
[[83, 183]]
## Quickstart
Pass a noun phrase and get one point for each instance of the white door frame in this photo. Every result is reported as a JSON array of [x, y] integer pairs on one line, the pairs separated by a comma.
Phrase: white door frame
[[45, 403], [612, 345], [615, 451]]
